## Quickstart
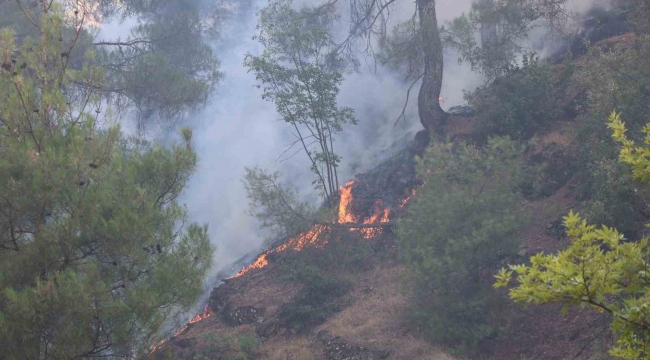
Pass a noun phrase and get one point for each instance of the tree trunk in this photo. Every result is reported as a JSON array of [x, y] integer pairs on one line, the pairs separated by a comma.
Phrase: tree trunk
[[488, 28], [433, 118]]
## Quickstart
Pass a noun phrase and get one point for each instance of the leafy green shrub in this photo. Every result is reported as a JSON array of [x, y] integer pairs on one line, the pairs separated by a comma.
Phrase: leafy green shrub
[[459, 225], [617, 79], [519, 103], [317, 299], [613, 281]]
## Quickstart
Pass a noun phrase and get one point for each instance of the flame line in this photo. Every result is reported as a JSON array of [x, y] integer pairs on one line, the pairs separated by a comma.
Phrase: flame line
[[381, 214]]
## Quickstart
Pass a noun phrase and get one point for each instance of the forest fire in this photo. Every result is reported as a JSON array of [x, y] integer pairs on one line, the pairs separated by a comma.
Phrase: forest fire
[[381, 214], [345, 215], [207, 312], [406, 199]]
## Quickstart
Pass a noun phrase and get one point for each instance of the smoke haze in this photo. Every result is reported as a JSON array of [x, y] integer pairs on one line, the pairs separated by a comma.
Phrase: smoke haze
[[238, 129]]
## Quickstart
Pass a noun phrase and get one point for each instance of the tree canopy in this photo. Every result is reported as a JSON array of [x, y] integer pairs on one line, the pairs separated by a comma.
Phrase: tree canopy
[[302, 75], [165, 66], [415, 46], [95, 250]]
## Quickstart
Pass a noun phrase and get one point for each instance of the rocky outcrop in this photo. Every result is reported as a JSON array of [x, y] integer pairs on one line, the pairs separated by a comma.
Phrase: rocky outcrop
[[336, 348]]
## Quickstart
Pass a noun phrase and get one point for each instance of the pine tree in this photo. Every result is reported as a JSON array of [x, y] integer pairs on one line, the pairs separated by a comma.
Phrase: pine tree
[[95, 251]]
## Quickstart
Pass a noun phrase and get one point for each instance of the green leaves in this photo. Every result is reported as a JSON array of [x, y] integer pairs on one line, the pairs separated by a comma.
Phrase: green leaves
[[598, 269], [461, 223], [520, 102], [95, 251], [298, 74]]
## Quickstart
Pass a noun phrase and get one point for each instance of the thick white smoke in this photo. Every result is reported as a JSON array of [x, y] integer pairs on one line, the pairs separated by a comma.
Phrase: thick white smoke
[[238, 129]]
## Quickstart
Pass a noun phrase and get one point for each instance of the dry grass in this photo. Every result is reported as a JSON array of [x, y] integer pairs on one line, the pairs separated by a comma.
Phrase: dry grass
[[298, 348], [376, 319], [263, 289]]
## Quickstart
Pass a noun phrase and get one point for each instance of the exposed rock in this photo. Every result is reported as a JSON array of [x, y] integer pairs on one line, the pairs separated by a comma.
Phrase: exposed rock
[[242, 315], [523, 252], [461, 110], [336, 348]]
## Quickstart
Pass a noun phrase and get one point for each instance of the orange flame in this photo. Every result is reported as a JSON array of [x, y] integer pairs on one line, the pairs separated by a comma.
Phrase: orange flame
[[180, 331], [345, 215], [258, 264], [312, 237], [207, 312], [380, 216], [157, 346], [406, 199]]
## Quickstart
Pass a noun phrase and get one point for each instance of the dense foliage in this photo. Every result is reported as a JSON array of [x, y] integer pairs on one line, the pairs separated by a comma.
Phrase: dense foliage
[[95, 251], [599, 269], [614, 78], [502, 25], [520, 102], [275, 205], [162, 69], [460, 224]]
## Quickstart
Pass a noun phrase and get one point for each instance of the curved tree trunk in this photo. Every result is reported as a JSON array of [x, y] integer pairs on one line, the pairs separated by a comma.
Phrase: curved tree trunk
[[433, 118]]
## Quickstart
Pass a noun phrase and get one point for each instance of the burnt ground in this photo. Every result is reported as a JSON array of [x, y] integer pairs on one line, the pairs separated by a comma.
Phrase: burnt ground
[[258, 315]]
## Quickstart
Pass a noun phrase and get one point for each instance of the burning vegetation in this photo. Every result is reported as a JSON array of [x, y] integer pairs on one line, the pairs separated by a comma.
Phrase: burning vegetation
[[380, 215], [207, 312]]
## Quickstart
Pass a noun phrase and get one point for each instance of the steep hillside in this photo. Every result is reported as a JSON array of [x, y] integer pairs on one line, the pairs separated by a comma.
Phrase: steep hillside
[[341, 292]]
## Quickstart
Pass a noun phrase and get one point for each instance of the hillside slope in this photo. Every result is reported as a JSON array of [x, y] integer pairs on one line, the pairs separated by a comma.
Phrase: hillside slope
[[342, 293]]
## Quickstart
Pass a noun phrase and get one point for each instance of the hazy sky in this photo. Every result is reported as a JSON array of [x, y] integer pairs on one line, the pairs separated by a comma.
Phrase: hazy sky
[[238, 129]]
